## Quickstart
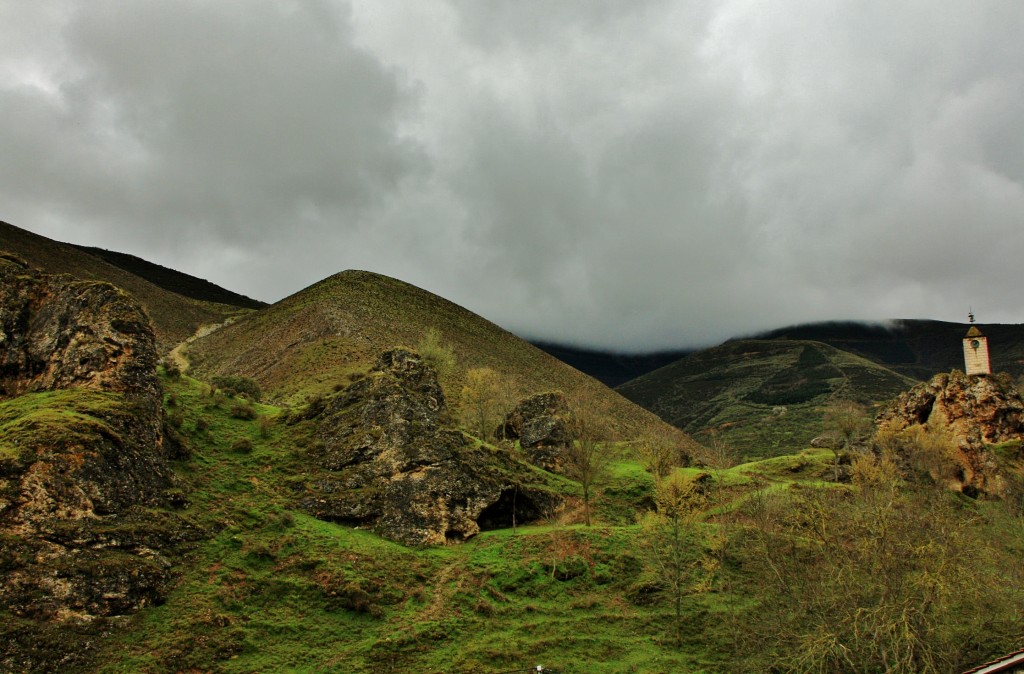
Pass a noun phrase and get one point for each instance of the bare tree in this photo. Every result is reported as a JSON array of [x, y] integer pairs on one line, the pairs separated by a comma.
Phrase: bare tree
[[845, 419], [480, 401], [586, 454]]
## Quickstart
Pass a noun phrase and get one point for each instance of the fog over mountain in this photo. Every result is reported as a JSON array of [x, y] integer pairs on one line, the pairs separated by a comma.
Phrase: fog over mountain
[[626, 175]]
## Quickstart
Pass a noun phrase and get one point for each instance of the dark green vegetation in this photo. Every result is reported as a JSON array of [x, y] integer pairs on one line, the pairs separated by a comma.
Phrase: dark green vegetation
[[175, 316], [611, 369], [762, 397], [915, 348]]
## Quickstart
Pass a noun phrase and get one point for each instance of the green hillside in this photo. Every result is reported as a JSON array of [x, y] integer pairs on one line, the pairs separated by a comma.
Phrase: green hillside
[[320, 338], [174, 316], [913, 347], [763, 397], [272, 589]]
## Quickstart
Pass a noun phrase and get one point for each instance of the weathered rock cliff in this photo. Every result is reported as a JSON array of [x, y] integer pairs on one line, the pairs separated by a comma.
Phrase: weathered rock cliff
[[975, 412], [81, 456], [391, 461]]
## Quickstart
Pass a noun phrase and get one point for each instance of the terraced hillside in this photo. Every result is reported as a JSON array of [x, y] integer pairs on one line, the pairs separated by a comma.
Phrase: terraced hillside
[[325, 335], [915, 348], [763, 397], [174, 316]]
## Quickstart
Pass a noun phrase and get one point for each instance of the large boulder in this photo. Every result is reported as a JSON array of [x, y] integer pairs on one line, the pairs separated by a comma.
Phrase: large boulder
[[975, 411], [539, 424], [390, 460]]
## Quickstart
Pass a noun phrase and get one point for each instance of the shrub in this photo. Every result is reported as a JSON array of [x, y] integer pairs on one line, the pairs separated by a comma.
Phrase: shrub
[[238, 386], [172, 399], [242, 446], [437, 354], [243, 410], [176, 418], [264, 425], [171, 369], [202, 425]]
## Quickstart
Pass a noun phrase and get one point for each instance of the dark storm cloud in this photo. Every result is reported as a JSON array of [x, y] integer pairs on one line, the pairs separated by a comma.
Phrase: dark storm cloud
[[191, 127], [620, 174]]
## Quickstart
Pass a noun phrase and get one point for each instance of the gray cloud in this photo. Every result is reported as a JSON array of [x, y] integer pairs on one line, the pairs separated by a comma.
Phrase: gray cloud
[[626, 175]]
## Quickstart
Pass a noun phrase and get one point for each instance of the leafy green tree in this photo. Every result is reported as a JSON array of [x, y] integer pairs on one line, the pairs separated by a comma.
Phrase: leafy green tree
[[678, 557], [480, 402]]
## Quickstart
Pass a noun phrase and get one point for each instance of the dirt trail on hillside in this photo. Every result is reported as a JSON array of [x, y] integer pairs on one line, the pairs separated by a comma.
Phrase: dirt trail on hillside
[[177, 355]]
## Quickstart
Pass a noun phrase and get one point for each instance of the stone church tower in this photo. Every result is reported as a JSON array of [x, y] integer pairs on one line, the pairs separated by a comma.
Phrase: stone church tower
[[976, 350]]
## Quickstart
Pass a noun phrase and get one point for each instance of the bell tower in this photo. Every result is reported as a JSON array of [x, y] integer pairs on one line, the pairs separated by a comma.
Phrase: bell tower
[[976, 350]]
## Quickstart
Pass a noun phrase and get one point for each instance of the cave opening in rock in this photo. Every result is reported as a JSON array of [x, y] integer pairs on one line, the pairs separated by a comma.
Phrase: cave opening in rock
[[499, 515]]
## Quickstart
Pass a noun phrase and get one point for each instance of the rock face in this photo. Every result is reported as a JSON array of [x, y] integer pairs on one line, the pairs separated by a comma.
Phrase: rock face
[[81, 400], [976, 411], [392, 462], [56, 332], [538, 422], [81, 452]]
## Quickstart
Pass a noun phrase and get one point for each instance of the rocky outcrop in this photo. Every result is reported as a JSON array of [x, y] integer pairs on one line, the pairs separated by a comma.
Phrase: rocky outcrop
[[538, 423], [390, 460], [81, 402], [975, 411], [81, 455], [57, 332]]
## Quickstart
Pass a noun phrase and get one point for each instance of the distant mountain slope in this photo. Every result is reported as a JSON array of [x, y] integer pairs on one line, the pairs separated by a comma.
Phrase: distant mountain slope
[[316, 339], [611, 369], [916, 348], [172, 280], [174, 316], [764, 397]]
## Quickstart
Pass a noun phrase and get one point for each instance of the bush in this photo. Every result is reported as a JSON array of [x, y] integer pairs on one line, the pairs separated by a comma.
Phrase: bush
[[242, 446], [171, 369], [437, 354], [202, 425], [243, 410], [238, 386], [176, 419], [264, 425]]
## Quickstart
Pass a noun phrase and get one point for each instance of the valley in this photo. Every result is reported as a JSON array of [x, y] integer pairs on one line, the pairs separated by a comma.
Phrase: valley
[[354, 478]]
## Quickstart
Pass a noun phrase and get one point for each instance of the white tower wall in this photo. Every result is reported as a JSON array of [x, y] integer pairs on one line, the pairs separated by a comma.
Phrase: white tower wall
[[976, 357]]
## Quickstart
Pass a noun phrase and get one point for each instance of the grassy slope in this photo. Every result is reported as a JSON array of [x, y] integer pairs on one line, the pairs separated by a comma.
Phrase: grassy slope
[[765, 398], [53, 417], [275, 590], [314, 340], [174, 316], [916, 348]]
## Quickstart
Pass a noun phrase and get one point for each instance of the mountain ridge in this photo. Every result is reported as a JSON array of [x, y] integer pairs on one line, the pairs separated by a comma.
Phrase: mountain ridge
[[174, 316]]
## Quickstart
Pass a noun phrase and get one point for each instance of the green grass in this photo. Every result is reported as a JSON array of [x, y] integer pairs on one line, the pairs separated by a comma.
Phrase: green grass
[[275, 590], [65, 417], [272, 589]]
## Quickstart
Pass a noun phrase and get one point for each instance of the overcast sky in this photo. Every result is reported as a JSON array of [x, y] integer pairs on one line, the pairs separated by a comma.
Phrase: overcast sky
[[629, 174]]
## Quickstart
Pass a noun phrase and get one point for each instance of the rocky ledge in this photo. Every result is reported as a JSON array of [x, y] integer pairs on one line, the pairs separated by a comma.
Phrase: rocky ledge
[[976, 412], [389, 459]]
